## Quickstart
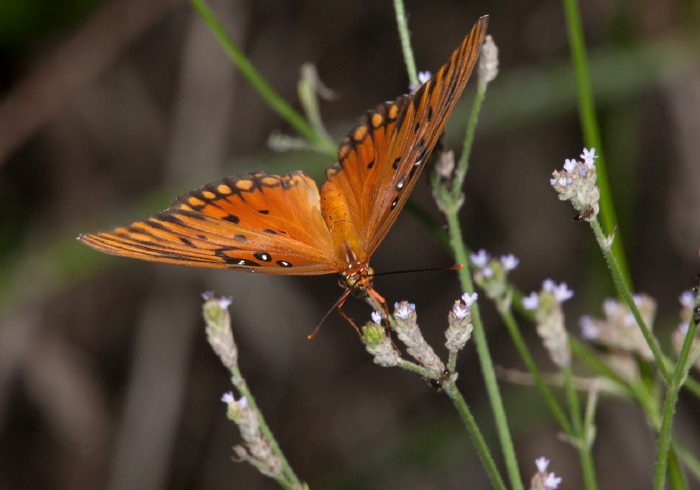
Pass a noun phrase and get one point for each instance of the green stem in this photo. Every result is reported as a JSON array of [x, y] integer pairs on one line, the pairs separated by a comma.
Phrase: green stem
[[525, 355], [582, 438], [474, 433], [463, 164], [688, 458], [484, 354], [402, 24], [665, 434], [625, 293], [257, 81], [590, 126]]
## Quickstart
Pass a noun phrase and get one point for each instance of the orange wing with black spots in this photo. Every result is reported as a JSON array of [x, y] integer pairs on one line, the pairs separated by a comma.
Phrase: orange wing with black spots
[[257, 222], [279, 224], [380, 160]]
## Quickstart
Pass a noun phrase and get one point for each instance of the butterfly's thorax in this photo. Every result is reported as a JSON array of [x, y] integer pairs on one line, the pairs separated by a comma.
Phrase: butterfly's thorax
[[345, 235]]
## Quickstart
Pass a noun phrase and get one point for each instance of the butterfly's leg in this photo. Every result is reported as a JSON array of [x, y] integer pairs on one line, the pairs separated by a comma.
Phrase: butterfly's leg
[[349, 320]]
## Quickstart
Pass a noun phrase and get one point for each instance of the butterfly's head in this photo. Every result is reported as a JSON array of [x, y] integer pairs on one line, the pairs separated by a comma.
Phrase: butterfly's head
[[358, 281]]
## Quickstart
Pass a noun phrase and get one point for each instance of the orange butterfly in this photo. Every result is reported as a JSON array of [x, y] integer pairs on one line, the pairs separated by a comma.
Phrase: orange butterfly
[[280, 224]]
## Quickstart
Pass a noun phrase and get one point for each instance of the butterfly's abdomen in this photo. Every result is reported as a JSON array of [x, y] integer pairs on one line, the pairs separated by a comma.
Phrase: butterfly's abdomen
[[336, 215]]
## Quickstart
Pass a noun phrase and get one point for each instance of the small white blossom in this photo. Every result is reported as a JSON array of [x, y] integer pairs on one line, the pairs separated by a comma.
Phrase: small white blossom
[[542, 464], [552, 481], [589, 156], [404, 310], [225, 302], [589, 329], [687, 299], [562, 292], [548, 285], [509, 262], [570, 165], [228, 397], [487, 272], [377, 317], [480, 259], [531, 302], [424, 76], [460, 310], [469, 299]]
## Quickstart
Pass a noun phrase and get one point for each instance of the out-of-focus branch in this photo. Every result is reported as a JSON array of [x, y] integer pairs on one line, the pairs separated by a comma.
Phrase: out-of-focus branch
[[74, 64]]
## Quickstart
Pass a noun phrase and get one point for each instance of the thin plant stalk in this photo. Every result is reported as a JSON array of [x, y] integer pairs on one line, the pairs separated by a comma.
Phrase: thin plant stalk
[[527, 358], [581, 438], [482, 348], [665, 434], [625, 293], [274, 100], [463, 163], [472, 428], [402, 24], [589, 123]]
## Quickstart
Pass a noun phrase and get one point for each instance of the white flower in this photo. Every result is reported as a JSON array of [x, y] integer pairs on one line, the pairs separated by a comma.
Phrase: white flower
[[487, 272], [404, 310], [570, 164], [548, 285], [552, 481], [509, 262], [228, 398], [589, 156], [531, 302], [424, 76], [480, 259], [225, 302], [460, 310], [542, 464], [562, 292], [589, 330], [687, 299], [377, 317], [469, 299]]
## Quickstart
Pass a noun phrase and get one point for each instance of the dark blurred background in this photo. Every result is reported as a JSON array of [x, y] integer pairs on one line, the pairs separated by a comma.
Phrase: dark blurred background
[[110, 110]]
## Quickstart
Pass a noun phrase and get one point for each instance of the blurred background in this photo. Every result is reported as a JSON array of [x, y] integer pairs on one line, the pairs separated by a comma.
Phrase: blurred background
[[109, 110]]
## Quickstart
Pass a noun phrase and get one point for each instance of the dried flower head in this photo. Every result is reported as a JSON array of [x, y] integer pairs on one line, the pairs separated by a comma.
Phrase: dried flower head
[[490, 274], [379, 345], [408, 332], [619, 331], [257, 451], [218, 328], [487, 69], [459, 320], [577, 183], [550, 319]]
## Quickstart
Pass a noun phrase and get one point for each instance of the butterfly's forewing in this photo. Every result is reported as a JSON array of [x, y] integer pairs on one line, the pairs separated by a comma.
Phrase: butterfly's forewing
[[256, 222], [380, 160]]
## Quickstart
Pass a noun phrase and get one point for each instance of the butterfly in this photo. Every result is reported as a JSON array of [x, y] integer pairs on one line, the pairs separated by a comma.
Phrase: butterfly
[[281, 224]]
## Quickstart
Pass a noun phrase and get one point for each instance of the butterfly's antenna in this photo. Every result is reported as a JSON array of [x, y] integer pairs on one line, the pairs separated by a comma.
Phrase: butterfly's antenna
[[453, 268], [337, 304]]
